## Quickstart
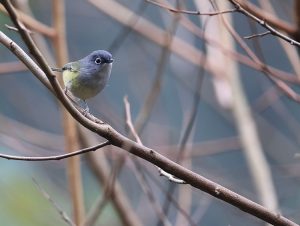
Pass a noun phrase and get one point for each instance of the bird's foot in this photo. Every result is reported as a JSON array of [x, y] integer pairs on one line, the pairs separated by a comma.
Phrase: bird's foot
[[85, 112]]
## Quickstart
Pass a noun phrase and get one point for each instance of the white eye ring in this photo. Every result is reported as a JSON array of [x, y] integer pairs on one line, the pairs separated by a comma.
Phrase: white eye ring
[[98, 60]]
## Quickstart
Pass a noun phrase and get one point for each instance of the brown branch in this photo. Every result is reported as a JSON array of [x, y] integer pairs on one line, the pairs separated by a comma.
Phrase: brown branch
[[270, 18], [179, 47], [33, 24], [108, 189], [173, 10], [248, 133], [263, 23], [99, 165], [154, 157], [69, 124], [12, 67], [129, 123], [172, 199], [156, 87], [139, 169], [55, 157], [141, 151], [290, 52], [263, 67], [257, 35], [97, 209], [237, 56]]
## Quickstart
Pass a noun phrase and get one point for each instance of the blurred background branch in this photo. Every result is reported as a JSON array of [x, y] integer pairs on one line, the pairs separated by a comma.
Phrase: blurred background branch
[[158, 51]]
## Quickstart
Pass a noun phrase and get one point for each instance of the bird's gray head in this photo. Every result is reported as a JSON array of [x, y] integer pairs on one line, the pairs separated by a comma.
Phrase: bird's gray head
[[97, 61]]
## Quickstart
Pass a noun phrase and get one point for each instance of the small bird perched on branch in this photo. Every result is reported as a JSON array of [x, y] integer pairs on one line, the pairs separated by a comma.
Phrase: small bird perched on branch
[[88, 76]]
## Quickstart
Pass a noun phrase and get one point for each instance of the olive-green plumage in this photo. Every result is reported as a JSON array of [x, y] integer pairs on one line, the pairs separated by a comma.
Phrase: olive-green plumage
[[88, 76]]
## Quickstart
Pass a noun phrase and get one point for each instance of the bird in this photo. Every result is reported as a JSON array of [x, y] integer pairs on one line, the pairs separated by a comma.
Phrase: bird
[[87, 77]]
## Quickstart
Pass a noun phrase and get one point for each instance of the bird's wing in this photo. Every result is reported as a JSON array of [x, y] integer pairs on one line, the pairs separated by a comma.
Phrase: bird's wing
[[73, 67], [71, 71]]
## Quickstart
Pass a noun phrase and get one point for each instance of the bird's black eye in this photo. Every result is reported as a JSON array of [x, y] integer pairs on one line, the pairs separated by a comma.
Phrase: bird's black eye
[[97, 60]]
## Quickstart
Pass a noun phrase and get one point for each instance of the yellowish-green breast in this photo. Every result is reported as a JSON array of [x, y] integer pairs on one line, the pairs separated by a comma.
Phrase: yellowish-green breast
[[69, 76], [70, 72]]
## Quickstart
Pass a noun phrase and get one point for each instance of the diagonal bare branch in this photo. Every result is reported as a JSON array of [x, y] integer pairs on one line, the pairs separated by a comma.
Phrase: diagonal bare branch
[[141, 151]]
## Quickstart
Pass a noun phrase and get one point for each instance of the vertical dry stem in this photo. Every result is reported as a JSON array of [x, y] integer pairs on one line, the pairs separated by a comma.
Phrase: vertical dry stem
[[69, 124], [245, 123]]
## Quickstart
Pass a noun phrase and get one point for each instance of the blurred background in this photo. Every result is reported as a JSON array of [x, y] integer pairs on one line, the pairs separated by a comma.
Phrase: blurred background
[[196, 94]]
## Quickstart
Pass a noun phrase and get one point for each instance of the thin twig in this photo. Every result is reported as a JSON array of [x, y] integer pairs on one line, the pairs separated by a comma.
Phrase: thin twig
[[247, 130], [274, 21], [129, 123], [173, 10], [179, 47], [193, 113], [155, 89], [140, 175], [15, 29], [144, 152], [171, 198], [33, 24], [290, 51], [289, 92], [96, 210], [69, 124], [126, 30], [106, 195], [257, 35], [264, 24], [99, 166], [62, 213], [55, 157]]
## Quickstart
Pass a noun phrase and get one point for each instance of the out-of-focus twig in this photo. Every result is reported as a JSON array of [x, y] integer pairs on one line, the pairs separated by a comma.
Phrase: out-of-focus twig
[[190, 123], [96, 210], [248, 132], [268, 17], [147, 29], [289, 50], [126, 30], [173, 10], [155, 90], [55, 157], [121, 141], [12, 67], [264, 24], [99, 166], [33, 24], [281, 85], [183, 49], [138, 140], [172, 199], [69, 124], [139, 170], [151, 98], [32, 135], [106, 195], [62, 213], [148, 154], [40, 39]]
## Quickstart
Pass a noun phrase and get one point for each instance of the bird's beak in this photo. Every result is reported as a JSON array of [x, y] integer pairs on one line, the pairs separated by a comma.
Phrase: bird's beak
[[110, 61]]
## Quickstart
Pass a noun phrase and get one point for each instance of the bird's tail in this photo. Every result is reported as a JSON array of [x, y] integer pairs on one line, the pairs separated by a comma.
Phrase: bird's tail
[[56, 69]]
